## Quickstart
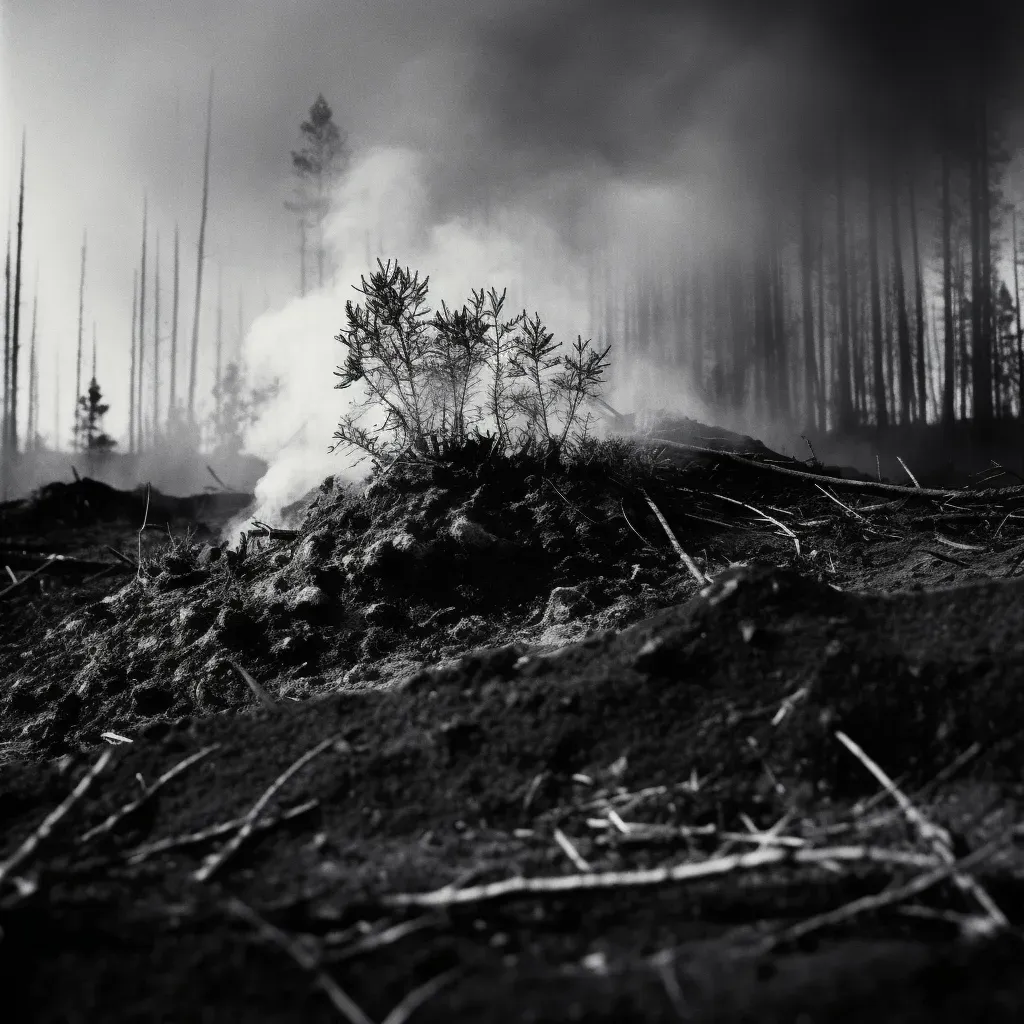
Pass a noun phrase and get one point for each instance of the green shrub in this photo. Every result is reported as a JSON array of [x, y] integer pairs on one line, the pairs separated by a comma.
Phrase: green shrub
[[437, 378]]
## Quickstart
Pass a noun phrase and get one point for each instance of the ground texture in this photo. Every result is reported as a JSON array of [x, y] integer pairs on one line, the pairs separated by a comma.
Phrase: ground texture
[[495, 742]]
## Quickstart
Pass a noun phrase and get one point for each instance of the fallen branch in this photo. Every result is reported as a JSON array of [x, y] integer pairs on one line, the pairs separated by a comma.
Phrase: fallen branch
[[938, 839], [608, 880], [866, 486], [261, 694], [141, 853], [305, 959], [132, 806], [25, 579], [683, 556], [218, 858], [50, 822]]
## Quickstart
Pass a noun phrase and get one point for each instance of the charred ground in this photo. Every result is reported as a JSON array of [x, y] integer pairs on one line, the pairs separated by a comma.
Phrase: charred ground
[[505, 671]]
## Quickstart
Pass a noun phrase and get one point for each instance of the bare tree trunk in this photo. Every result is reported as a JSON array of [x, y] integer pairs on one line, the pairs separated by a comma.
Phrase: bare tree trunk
[[922, 391], [1020, 333], [141, 365], [56, 401], [134, 368], [156, 337], [16, 316], [218, 371], [199, 261], [30, 440], [823, 377], [949, 371], [5, 425], [844, 411], [985, 239], [906, 389], [172, 396], [810, 353], [881, 409], [961, 305], [78, 360]]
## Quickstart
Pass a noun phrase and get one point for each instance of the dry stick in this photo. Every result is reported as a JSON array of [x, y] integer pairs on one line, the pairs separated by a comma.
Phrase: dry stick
[[643, 540], [261, 694], [218, 858], [50, 822], [141, 853], [884, 899], [958, 544], [145, 520], [866, 486], [133, 805], [570, 851], [911, 475], [683, 556], [418, 996], [305, 959], [26, 578], [11, 573], [937, 838], [121, 555], [606, 880], [764, 515]]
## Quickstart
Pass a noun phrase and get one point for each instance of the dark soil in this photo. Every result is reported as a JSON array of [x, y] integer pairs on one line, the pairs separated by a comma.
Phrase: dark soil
[[505, 672]]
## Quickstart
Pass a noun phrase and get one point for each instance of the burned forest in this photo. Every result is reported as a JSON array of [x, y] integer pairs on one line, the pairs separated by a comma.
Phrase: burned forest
[[512, 511]]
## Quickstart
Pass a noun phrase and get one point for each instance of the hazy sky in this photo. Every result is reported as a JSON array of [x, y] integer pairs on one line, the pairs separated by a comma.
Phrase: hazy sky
[[659, 106]]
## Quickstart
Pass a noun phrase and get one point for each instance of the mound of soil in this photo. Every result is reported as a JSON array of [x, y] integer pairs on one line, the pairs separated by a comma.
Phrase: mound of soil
[[475, 743]]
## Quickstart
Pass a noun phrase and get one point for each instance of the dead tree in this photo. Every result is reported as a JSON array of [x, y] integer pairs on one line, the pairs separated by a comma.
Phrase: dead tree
[[172, 387], [156, 338], [193, 365], [922, 391], [16, 316], [141, 365], [134, 369], [906, 388], [78, 358], [949, 348], [1020, 333]]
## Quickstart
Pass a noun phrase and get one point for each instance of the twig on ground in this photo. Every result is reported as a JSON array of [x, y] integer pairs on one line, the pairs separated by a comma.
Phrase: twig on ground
[[418, 996], [385, 937], [133, 805], [223, 486], [764, 515], [10, 572], [643, 540], [121, 555], [26, 578], [937, 838], [683, 556], [607, 880], [879, 901], [218, 858], [50, 822], [570, 851], [141, 853], [340, 999], [911, 475]]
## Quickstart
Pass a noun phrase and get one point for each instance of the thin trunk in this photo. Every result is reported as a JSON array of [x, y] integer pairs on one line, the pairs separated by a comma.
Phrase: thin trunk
[[822, 363], [193, 364], [965, 369], [981, 391], [172, 396], [949, 348], [30, 439], [844, 411], [810, 353], [922, 391], [81, 328], [906, 390], [141, 366], [219, 350], [5, 425], [985, 238], [133, 370], [156, 337], [878, 355], [16, 316], [1020, 333], [56, 401]]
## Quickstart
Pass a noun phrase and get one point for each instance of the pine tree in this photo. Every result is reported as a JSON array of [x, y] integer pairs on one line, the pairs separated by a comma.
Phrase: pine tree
[[317, 165]]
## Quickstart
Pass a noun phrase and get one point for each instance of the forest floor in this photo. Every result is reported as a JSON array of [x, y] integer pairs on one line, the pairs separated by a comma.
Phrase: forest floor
[[717, 742]]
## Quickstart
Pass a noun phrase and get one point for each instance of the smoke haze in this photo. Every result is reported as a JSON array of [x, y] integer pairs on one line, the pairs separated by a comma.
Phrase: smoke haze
[[495, 142]]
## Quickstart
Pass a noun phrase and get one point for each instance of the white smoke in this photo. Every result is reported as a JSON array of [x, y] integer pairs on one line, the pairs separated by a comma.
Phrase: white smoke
[[383, 209]]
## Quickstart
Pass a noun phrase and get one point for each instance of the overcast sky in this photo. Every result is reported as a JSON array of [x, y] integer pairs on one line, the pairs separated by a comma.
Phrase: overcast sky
[[550, 101]]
